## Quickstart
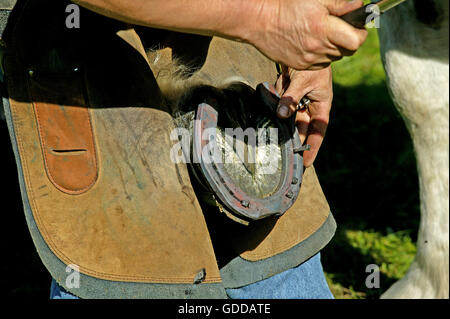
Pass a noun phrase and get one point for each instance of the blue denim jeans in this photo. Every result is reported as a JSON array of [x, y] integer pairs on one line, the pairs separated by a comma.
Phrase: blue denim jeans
[[306, 281]]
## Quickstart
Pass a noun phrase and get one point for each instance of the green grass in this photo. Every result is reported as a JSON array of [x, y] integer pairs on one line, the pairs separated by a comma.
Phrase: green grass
[[368, 172], [363, 68]]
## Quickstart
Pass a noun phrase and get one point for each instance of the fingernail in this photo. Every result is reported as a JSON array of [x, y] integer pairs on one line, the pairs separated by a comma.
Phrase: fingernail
[[283, 111]]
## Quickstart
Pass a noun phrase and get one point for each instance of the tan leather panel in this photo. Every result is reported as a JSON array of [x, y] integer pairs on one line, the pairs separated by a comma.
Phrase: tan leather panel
[[66, 136], [140, 221], [131, 37], [307, 214], [229, 59]]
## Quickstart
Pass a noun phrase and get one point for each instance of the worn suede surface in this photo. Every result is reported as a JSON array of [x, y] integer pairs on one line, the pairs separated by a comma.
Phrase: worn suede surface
[[92, 287], [137, 218]]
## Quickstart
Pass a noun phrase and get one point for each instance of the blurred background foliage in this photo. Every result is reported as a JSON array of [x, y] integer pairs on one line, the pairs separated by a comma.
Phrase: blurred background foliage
[[368, 173]]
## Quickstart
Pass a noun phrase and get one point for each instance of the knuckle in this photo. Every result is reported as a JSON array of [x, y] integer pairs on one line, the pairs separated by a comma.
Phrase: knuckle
[[364, 36], [315, 46], [310, 45], [338, 3], [354, 44], [333, 4], [309, 58]]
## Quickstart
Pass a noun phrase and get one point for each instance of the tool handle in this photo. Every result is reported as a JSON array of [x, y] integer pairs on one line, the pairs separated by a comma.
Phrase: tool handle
[[358, 17]]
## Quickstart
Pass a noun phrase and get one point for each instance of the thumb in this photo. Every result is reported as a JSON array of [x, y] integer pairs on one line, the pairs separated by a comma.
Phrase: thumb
[[341, 7], [296, 90]]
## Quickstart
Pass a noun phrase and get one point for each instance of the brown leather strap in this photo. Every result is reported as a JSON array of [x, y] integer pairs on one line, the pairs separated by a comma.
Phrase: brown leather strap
[[66, 136]]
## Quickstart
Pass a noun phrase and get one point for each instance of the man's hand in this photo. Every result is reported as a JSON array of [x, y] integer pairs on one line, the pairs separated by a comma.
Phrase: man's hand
[[302, 34], [311, 122], [307, 34]]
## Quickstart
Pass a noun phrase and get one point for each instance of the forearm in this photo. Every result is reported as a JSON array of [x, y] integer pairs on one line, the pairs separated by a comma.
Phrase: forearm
[[302, 34], [235, 19]]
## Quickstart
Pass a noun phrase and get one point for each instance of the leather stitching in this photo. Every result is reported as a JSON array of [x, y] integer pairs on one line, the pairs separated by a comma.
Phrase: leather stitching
[[41, 127], [60, 254]]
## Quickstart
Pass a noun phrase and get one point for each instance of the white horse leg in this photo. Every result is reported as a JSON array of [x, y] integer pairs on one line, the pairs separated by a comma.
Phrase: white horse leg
[[415, 57]]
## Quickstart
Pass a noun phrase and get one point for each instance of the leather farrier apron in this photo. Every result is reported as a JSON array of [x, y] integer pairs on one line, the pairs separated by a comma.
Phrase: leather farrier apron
[[91, 138]]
